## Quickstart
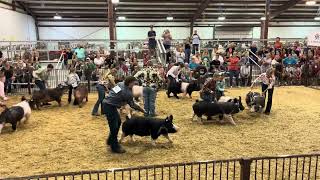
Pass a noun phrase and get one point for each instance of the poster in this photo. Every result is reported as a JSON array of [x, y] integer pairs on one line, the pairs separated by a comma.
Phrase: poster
[[314, 39]]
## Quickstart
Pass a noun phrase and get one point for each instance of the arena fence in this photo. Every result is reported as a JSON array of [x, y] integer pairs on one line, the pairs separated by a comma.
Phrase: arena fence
[[298, 167]]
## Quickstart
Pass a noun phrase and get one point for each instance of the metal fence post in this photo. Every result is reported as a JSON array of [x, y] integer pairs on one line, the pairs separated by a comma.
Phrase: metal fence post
[[245, 169]]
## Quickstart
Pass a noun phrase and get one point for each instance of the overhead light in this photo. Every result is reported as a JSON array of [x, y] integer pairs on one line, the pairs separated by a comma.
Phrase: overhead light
[[221, 18], [263, 18], [122, 18], [115, 1], [317, 18], [57, 16], [169, 18], [311, 3]]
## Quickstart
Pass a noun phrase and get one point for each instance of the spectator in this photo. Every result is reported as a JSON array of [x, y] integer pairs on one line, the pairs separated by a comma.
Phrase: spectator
[[234, 69], [230, 50], [98, 61], [69, 58], [80, 53], [152, 41], [245, 73], [8, 73], [73, 81], [194, 64], [41, 76], [88, 69], [187, 51], [205, 58], [1, 54], [215, 64], [35, 55], [167, 38], [278, 45], [180, 56], [290, 60], [195, 42], [2, 91]]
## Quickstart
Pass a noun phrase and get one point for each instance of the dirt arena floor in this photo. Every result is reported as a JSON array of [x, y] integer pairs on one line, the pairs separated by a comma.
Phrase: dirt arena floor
[[69, 139]]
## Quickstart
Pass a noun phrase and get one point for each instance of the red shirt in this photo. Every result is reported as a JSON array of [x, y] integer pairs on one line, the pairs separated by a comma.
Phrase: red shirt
[[233, 63]]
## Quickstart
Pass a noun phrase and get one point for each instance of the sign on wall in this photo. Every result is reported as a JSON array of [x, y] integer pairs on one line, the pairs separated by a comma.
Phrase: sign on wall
[[314, 39]]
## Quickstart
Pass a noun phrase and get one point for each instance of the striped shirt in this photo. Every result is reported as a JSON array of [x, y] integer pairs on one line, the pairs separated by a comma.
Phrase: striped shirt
[[265, 80]]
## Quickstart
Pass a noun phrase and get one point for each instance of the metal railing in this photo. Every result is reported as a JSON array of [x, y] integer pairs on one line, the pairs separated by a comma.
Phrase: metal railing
[[298, 167]]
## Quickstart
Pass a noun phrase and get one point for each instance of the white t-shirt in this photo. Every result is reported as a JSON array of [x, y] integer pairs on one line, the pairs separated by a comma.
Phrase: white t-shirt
[[195, 39]]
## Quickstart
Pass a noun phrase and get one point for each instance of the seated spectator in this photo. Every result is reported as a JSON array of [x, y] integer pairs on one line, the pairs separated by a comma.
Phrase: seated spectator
[[290, 60], [205, 58], [194, 63], [180, 56], [98, 61]]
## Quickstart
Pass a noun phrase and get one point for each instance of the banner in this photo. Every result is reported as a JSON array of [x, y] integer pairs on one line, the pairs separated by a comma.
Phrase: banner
[[314, 39]]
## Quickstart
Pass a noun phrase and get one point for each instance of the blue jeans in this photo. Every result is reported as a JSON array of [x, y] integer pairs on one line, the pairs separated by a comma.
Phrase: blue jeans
[[187, 53], [7, 85], [149, 98], [234, 73], [101, 95], [41, 85]]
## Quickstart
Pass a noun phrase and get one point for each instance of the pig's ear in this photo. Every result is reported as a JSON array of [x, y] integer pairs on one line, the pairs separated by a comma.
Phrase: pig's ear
[[170, 118]]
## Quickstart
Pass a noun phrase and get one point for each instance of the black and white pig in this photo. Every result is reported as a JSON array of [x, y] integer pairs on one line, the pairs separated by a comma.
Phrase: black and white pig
[[143, 126], [20, 112], [183, 87], [222, 109], [255, 101]]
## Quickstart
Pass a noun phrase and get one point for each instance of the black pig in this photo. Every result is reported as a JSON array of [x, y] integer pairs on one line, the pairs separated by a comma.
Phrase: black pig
[[154, 127]]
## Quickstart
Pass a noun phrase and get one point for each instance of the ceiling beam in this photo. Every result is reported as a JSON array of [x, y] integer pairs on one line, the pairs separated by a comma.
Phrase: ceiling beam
[[283, 8], [26, 8], [203, 5]]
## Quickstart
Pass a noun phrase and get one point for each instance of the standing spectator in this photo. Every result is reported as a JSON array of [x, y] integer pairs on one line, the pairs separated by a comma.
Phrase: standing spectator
[[73, 81], [180, 56], [69, 58], [35, 55], [152, 41], [41, 76], [195, 42], [98, 60], [88, 69], [167, 38], [278, 46], [234, 69], [80, 53], [230, 50], [106, 83], [2, 91], [119, 96], [8, 73], [187, 51]]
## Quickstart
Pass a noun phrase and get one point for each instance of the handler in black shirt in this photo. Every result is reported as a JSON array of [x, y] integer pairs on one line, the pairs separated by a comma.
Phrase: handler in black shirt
[[8, 72], [119, 96]]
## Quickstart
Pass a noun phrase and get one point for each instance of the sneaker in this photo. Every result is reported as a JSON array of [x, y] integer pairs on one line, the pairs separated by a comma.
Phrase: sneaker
[[118, 150], [46, 104]]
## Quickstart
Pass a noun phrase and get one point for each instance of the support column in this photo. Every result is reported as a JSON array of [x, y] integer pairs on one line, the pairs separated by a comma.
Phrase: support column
[[191, 29], [37, 29], [112, 35], [14, 6], [265, 23]]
